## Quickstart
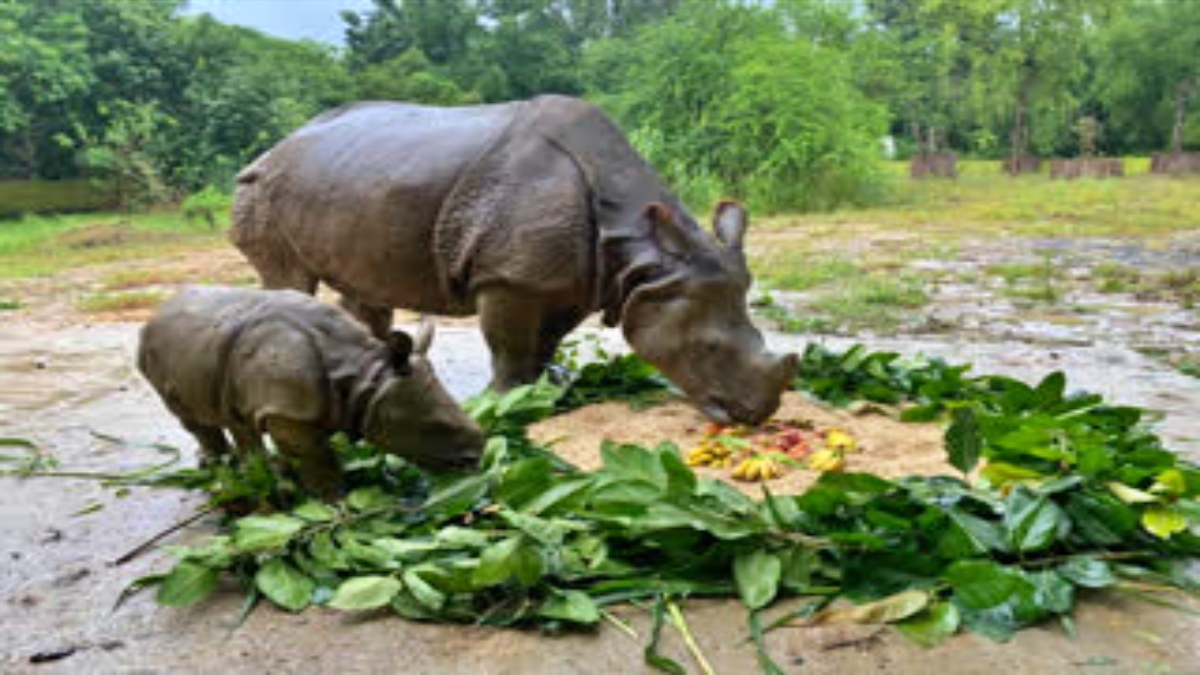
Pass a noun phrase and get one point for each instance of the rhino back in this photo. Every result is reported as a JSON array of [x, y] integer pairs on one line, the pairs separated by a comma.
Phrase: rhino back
[[357, 192], [219, 355]]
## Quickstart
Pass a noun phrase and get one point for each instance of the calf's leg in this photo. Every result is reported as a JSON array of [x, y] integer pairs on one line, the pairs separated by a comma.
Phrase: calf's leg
[[306, 449]]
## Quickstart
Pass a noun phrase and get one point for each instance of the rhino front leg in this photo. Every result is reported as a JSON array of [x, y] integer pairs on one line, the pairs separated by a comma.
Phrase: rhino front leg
[[377, 318], [523, 333], [306, 450], [213, 444]]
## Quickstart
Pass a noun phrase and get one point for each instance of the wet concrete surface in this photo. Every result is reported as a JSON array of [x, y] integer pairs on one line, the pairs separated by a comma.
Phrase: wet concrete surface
[[64, 384]]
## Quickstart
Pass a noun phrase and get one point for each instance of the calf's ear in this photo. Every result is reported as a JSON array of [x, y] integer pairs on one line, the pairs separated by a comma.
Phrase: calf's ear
[[401, 346]]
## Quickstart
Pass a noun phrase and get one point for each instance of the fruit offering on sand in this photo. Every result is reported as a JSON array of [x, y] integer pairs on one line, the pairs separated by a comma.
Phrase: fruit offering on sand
[[768, 451]]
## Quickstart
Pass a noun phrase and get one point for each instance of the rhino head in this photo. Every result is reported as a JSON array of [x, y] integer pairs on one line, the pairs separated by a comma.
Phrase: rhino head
[[685, 312], [411, 415]]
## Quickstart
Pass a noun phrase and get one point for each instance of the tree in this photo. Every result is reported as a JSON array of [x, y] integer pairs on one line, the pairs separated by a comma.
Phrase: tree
[[44, 70], [1148, 73]]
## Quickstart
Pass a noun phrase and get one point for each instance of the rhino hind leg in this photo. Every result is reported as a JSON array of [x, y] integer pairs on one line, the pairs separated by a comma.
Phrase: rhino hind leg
[[523, 334], [377, 318], [305, 448]]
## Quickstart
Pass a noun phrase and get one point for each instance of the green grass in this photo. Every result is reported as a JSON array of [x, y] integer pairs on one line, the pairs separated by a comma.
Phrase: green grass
[[120, 302], [69, 196], [801, 270], [1116, 278], [41, 245], [871, 301], [10, 305], [984, 201]]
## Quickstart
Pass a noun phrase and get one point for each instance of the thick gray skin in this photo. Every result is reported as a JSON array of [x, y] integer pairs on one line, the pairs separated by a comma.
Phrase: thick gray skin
[[281, 363], [533, 214]]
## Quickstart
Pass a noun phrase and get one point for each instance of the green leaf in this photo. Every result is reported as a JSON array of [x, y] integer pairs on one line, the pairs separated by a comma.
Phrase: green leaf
[[369, 499], [188, 583], [983, 535], [932, 627], [1100, 519], [367, 592], [422, 590], [891, 609], [757, 576], [263, 533], [1053, 593], [574, 606], [284, 585], [512, 558], [1033, 523], [1087, 572], [314, 512], [1002, 474], [1131, 495], [964, 440], [982, 585], [1163, 521], [758, 635], [650, 653]]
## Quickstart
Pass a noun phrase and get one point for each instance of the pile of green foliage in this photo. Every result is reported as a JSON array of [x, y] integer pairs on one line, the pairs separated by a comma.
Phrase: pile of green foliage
[[1074, 494]]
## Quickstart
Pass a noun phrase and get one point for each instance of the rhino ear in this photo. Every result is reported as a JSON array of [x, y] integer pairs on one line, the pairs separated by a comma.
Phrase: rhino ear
[[730, 222], [401, 346], [666, 229], [424, 336]]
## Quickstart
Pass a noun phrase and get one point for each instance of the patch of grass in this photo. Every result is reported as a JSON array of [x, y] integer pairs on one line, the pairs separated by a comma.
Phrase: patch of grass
[[803, 270], [983, 201], [1037, 282], [121, 302], [787, 321], [37, 196], [872, 301], [46, 244], [10, 305], [1116, 278], [120, 281]]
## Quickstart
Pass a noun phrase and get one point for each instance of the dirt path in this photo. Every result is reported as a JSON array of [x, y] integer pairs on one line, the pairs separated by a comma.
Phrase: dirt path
[[68, 376]]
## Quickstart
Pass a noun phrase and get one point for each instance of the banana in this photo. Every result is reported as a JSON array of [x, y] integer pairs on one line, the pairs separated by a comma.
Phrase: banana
[[827, 460], [757, 468], [840, 441]]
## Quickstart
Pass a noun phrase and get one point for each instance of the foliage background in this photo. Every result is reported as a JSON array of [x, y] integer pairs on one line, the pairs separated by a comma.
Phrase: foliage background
[[782, 103]]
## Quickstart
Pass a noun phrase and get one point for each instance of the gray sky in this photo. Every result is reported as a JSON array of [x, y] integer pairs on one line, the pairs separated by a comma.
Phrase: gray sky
[[315, 19]]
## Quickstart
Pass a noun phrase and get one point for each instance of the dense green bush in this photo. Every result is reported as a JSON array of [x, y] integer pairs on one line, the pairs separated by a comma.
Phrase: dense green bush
[[725, 101]]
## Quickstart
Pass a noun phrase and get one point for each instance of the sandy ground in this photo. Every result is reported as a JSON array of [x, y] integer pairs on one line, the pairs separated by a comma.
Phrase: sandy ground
[[886, 447], [65, 377]]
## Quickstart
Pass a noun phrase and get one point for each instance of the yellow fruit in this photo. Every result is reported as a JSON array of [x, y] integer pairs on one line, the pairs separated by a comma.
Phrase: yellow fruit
[[826, 460], [841, 441], [758, 468]]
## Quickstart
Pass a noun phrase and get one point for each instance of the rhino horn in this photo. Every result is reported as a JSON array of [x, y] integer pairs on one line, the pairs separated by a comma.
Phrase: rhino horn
[[424, 336]]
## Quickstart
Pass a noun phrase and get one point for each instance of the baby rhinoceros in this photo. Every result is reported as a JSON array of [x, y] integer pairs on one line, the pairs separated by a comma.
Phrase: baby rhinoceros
[[284, 364]]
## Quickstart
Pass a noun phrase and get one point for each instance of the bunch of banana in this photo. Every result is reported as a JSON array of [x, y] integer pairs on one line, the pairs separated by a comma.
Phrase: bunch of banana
[[712, 453], [758, 467], [829, 459]]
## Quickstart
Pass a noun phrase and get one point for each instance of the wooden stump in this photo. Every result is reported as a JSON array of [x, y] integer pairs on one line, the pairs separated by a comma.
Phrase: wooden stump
[[1092, 167], [1015, 166], [937, 164], [1175, 162]]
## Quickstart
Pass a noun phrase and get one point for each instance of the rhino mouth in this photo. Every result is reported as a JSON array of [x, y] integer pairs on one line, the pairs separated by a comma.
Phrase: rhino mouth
[[725, 412]]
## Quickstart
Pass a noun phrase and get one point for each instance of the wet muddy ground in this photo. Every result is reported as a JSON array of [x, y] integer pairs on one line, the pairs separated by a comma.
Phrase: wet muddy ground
[[69, 384]]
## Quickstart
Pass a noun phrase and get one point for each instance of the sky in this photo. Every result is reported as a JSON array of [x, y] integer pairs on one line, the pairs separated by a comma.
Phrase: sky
[[315, 19]]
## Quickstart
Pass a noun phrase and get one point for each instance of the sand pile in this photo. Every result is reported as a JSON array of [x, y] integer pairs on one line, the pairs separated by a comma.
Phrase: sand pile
[[889, 448]]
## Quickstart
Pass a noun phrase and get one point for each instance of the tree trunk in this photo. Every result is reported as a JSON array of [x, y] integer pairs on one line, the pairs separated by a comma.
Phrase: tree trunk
[[1181, 101]]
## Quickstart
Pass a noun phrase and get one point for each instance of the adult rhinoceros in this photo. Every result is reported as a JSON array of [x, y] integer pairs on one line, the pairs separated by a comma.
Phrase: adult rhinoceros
[[533, 214]]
